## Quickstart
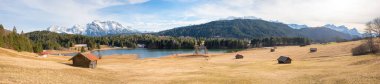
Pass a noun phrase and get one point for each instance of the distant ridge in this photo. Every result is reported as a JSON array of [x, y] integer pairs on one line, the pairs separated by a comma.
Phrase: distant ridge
[[344, 29], [254, 28], [354, 32]]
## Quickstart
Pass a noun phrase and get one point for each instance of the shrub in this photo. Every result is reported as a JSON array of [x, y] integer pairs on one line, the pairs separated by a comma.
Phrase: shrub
[[364, 49]]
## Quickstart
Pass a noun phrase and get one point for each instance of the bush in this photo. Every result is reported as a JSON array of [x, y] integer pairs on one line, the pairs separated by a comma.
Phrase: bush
[[364, 49]]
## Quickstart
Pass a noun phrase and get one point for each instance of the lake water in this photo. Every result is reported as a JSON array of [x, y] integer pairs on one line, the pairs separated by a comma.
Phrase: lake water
[[150, 53]]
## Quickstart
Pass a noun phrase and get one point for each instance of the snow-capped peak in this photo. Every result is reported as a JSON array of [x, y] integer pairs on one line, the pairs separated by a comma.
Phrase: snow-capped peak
[[297, 26], [58, 29], [95, 28], [343, 29], [245, 17]]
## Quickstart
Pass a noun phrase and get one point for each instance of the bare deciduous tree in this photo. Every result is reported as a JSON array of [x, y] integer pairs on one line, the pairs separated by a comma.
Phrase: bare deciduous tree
[[373, 31], [373, 27]]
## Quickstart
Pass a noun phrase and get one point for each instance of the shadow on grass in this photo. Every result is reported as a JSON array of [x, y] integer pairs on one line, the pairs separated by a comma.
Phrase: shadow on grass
[[69, 64]]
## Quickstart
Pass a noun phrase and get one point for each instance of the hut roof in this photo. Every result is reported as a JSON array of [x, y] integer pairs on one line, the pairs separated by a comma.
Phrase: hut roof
[[89, 56], [239, 55], [283, 58]]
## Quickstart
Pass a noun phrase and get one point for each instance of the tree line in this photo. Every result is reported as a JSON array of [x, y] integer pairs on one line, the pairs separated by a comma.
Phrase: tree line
[[280, 41], [13, 40]]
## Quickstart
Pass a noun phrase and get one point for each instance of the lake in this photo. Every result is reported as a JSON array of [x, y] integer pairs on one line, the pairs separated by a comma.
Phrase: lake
[[149, 53]]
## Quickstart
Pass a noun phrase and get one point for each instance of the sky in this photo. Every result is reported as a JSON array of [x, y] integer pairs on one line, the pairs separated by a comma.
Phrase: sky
[[157, 15]]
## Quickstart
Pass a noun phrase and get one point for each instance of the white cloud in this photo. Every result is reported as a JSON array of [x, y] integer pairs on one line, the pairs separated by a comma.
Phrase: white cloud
[[137, 1], [164, 25], [29, 14]]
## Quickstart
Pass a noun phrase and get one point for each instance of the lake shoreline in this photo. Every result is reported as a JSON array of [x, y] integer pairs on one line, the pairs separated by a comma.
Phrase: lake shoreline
[[72, 51], [144, 52]]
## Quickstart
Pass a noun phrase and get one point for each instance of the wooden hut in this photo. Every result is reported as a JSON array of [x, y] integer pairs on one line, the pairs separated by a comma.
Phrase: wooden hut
[[284, 60], [272, 50], [87, 60], [238, 56], [313, 49]]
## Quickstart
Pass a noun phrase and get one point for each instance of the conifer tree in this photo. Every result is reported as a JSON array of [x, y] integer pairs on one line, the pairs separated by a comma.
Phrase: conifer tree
[[37, 47], [82, 49], [14, 29], [2, 30], [97, 46]]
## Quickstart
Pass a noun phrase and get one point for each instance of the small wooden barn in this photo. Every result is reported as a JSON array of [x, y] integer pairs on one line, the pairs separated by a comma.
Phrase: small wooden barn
[[313, 49], [87, 60], [238, 56], [284, 60], [272, 50]]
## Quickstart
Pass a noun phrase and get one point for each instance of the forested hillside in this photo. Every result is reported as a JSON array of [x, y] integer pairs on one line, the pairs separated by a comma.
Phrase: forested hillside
[[321, 34], [12, 40], [51, 40], [238, 28], [253, 29]]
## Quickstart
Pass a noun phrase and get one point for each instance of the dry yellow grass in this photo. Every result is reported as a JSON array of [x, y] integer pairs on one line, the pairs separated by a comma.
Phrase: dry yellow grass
[[332, 63]]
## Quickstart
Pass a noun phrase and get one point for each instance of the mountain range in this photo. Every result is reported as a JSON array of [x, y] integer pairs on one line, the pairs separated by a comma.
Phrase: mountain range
[[353, 31], [344, 29], [95, 28], [231, 27]]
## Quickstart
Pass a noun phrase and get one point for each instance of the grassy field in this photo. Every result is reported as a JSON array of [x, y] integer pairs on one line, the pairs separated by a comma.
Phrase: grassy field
[[332, 64]]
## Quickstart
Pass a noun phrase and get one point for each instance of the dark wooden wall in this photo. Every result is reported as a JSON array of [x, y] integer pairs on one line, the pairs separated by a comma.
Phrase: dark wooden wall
[[81, 61]]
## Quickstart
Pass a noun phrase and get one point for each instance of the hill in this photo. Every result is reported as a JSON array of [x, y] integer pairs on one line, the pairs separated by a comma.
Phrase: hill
[[253, 28], [322, 34], [343, 29], [237, 28]]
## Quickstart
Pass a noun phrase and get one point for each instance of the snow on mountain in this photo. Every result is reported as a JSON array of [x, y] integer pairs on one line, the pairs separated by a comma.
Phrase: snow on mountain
[[57, 29], [245, 17], [344, 29], [95, 28], [297, 26]]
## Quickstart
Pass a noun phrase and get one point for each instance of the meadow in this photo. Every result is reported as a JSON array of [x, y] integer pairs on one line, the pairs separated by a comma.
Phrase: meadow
[[333, 63]]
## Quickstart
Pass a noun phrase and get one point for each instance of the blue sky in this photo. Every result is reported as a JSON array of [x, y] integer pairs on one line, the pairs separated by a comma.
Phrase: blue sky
[[156, 15]]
